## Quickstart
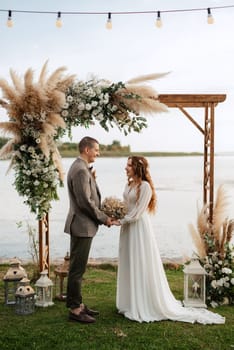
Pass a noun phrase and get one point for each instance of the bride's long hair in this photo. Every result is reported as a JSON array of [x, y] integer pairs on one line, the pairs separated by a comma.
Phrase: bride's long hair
[[140, 167]]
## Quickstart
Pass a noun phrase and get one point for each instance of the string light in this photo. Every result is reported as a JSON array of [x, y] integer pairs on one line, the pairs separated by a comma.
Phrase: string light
[[9, 22], [158, 20], [59, 23], [109, 22], [210, 18]]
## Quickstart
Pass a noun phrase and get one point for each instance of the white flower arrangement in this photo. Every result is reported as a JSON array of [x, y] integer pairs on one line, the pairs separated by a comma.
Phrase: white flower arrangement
[[41, 112], [220, 278], [114, 207], [36, 178], [97, 100]]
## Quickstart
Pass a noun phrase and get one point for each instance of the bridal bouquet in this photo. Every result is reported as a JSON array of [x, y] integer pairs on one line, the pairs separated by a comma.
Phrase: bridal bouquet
[[114, 207]]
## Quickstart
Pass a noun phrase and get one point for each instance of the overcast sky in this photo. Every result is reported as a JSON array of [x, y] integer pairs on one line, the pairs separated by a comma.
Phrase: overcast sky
[[199, 57]]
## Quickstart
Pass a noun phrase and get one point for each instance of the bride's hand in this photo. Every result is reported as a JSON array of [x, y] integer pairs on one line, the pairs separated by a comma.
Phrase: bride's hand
[[116, 222]]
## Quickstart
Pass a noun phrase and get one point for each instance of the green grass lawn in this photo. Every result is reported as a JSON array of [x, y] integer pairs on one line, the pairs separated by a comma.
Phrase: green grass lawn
[[49, 328]]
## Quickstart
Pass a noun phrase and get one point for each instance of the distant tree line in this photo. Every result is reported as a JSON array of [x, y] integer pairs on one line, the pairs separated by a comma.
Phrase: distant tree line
[[70, 149], [115, 146]]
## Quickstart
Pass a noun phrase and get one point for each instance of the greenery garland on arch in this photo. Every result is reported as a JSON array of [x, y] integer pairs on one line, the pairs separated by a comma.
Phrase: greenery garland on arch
[[40, 112]]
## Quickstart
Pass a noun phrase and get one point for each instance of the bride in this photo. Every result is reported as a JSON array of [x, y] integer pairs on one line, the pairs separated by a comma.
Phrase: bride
[[143, 293]]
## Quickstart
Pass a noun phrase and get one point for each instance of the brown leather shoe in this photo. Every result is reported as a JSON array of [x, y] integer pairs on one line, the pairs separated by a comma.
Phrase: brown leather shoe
[[90, 312], [82, 317]]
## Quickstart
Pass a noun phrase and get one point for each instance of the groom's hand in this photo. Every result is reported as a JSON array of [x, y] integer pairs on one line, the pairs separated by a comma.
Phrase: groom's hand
[[116, 222]]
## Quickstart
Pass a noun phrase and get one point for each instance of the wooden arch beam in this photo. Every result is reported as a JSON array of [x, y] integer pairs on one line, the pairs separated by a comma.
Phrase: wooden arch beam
[[208, 102]]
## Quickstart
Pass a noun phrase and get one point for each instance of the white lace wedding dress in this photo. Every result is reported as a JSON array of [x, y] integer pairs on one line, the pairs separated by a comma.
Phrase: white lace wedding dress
[[143, 293]]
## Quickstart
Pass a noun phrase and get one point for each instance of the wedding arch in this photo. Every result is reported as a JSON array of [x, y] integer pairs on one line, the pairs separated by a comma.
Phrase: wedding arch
[[43, 111]]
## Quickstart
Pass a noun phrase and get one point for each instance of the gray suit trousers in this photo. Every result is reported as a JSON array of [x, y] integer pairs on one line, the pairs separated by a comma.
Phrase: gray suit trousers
[[79, 253]]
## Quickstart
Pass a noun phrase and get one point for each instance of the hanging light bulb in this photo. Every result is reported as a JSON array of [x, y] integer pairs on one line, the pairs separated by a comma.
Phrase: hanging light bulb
[[158, 22], [59, 23], [109, 22], [210, 18], [9, 20]]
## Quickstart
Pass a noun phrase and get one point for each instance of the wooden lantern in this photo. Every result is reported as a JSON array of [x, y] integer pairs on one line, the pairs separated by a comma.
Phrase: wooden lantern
[[61, 273]]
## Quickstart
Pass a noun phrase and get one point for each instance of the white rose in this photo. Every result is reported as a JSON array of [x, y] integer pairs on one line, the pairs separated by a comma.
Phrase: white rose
[[88, 107], [64, 113], [226, 270], [81, 106], [69, 99], [99, 117], [114, 108], [220, 282], [94, 103], [214, 304], [36, 183], [214, 284]]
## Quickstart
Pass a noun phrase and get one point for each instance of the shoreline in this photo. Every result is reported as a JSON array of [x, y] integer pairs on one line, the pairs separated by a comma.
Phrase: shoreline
[[91, 261]]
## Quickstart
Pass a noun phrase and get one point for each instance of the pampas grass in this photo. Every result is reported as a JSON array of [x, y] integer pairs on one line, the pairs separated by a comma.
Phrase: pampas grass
[[213, 236], [146, 98], [219, 213], [146, 77], [34, 104], [198, 241]]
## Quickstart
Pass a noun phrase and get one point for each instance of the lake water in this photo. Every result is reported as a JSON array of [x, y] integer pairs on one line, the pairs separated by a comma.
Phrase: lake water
[[178, 183]]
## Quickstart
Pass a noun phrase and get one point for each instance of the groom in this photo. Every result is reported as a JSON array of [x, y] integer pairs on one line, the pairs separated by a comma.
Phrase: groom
[[82, 223]]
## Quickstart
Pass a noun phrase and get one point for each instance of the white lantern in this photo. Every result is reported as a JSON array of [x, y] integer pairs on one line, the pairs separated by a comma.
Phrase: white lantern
[[44, 290], [11, 280], [194, 285], [24, 298]]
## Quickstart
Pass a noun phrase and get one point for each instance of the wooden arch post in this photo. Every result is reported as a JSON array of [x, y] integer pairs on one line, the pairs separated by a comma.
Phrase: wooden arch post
[[208, 103], [44, 244]]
